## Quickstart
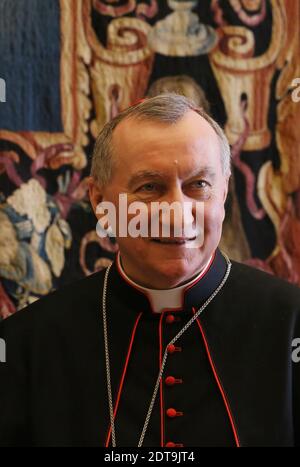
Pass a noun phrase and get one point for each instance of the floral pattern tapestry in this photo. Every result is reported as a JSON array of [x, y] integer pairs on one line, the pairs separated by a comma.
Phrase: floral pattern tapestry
[[68, 66]]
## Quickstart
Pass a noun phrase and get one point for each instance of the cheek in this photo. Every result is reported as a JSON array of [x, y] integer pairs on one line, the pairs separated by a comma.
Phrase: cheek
[[130, 245], [214, 214]]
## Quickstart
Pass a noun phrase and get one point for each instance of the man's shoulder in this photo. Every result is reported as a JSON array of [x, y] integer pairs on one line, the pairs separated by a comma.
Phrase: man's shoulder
[[261, 285], [60, 305]]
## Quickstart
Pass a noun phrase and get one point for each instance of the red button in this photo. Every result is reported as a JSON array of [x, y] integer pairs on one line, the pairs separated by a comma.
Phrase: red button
[[173, 413], [170, 319], [170, 444], [171, 348], [170, 381]]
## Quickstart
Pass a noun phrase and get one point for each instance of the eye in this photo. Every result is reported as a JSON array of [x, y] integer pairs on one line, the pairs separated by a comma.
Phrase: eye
[[200, 184], [148, 187]]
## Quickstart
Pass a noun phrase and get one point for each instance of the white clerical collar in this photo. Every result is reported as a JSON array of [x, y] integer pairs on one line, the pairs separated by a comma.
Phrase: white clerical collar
[[165, 299]]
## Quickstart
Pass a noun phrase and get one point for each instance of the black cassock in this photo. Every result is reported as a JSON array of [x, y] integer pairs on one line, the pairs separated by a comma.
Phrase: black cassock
[[235, 380]]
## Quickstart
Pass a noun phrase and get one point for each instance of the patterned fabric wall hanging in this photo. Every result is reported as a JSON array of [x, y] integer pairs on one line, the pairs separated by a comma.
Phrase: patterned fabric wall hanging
[[67, 67]]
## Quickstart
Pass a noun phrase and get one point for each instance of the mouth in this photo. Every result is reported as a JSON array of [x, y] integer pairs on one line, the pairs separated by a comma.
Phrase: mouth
[[173, 241]]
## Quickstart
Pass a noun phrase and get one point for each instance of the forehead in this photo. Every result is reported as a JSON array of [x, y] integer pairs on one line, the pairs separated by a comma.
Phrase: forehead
[[141, 144]]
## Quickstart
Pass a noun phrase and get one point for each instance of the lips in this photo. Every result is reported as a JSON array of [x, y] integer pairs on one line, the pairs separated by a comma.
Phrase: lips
[[173, 241]]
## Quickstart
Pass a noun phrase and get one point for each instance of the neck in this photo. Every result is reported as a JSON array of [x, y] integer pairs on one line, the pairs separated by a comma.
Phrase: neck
[[170, 298], [158, 280]]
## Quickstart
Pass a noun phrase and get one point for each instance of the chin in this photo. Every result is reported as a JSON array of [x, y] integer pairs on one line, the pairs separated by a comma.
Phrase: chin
[[173, 272]]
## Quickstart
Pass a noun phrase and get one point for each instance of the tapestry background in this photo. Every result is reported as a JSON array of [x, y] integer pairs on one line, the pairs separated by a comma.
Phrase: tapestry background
[[71, 65]]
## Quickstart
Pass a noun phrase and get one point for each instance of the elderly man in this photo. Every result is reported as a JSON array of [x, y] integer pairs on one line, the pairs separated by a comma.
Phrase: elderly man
[[173, 345]]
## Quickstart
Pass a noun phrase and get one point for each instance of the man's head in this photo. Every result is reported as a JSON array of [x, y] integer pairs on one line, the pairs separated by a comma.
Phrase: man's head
[[163, 150]]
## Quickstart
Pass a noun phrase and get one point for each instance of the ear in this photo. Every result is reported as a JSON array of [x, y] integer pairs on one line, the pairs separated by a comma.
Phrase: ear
[[95, 192]]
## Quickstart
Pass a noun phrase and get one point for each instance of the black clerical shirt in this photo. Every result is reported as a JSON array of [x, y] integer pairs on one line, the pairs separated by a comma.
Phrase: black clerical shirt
[[229, 380]]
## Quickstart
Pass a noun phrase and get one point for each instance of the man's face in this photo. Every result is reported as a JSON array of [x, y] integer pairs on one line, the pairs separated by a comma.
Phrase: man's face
[[156, 162]]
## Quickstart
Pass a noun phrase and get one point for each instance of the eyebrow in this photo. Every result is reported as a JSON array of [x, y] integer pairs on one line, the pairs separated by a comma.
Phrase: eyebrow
[[206, 171], [143, 175]]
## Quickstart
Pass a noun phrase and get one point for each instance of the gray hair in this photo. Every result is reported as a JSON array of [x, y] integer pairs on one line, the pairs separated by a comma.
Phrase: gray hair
[[164, 108]]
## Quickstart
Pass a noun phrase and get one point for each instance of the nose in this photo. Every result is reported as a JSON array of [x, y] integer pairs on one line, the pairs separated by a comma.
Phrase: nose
[[179, 213], [175, 195]]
